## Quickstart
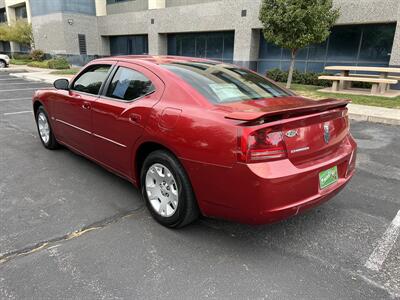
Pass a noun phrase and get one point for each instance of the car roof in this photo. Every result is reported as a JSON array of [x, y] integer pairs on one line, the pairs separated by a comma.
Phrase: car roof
[[157, 59]]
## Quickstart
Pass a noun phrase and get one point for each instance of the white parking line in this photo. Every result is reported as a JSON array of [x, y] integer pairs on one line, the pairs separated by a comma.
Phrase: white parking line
[[15, 99], [15, 90], [385, 244], [26, 83], [18, 112]]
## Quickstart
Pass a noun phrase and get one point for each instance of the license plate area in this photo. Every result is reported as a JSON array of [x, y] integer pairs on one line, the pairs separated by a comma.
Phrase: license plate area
[[328, 177]]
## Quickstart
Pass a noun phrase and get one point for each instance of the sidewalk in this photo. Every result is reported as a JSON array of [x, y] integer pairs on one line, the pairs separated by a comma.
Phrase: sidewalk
[[34, 74], [356, 112]]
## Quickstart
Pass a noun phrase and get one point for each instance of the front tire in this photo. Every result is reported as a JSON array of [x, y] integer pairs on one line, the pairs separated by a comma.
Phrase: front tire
[[44, 129], [167, 190], [2, 64]]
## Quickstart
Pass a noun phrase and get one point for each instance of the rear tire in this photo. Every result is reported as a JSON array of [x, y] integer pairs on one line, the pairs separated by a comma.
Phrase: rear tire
[[44, 129], [167, 190], [2, 64]]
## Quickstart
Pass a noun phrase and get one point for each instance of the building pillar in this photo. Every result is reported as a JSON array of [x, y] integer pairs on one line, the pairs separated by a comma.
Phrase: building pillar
[[158, 43], [101, 8], [156, 4], [104, 46], [395, 56], [246, 47]]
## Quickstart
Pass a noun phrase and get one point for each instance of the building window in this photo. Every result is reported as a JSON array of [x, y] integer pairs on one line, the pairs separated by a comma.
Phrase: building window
[[82, 44], [3, 15], [212, 45], [117, 1], [20, 12], [360, 45], [129, 44]]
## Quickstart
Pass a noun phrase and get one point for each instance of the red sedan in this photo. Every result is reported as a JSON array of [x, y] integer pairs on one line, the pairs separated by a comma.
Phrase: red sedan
[[201, 137]]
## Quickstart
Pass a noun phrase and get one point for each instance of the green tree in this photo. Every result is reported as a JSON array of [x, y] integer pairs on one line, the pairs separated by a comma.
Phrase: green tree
[[18, 32], [295, 24]]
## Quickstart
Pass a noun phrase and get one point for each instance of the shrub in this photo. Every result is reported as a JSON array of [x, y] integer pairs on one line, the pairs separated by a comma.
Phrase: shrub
[[19, 62], [59, 63], [310, 78], [21, 56], [39, 64], [37, 55]]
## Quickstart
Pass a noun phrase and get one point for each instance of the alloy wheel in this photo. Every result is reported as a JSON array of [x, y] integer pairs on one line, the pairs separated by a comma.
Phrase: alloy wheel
[[162, 190], [44, 128]]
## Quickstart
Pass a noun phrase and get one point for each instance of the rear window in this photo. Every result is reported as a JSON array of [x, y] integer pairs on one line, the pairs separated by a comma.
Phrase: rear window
[[221, 83]]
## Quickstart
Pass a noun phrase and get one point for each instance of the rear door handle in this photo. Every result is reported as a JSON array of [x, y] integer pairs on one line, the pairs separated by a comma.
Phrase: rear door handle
[[86, 106]]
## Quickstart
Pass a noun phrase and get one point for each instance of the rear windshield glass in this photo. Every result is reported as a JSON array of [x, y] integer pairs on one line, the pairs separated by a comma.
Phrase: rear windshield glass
[[221, 83]]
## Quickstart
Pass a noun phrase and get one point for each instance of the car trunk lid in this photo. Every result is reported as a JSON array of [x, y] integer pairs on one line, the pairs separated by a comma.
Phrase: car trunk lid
[[310, 129]]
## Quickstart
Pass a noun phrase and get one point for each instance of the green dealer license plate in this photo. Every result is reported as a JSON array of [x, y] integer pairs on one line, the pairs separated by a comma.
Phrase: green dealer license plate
[[328, 177]]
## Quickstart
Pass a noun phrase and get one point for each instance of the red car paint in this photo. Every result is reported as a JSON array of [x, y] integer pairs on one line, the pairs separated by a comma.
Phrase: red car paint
[[208, 139]]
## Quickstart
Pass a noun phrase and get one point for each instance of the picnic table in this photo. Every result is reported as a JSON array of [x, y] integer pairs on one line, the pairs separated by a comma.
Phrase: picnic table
[[380, 82]]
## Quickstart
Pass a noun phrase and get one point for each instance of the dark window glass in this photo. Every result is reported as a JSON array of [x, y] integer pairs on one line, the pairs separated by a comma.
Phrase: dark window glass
[[269, 50], [188, 46], [317, 51], [377, 43], [3, 15], [213, 45], [92, 79], [201, 42], [228, 47], [45, 7], [128, 85], [344, 43], [362, 45], [129, 44], [224, 83], [20, 12]]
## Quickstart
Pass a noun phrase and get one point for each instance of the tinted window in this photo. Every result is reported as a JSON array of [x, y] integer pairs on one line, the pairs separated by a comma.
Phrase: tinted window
[[128, 84], [92, 79], [221, 83]]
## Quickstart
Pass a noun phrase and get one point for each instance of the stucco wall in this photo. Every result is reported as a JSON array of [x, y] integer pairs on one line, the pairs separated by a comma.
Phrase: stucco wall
[[123, 7], [170, 3], [54, 34]]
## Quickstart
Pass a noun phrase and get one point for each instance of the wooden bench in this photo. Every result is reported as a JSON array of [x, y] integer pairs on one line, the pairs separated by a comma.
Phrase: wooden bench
[[375, 82]]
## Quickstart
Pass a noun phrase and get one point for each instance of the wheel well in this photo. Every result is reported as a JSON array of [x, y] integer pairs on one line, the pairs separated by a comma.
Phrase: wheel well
[[142, 152], [36, 106]]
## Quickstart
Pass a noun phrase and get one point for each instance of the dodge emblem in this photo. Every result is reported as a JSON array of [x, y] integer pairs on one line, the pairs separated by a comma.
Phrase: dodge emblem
[[327, 134]]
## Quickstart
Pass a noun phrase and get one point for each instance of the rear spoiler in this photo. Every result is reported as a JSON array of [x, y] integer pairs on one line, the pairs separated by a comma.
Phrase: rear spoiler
[[317, 106]]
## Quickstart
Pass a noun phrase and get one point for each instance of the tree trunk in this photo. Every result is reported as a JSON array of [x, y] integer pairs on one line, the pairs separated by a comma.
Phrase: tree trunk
[[291, 69]]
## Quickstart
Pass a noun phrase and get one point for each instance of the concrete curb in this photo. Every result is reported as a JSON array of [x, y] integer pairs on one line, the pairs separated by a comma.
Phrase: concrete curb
[[373, 119]]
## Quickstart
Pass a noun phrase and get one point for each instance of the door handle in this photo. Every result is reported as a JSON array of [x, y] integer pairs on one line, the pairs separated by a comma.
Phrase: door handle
[[86, 106]]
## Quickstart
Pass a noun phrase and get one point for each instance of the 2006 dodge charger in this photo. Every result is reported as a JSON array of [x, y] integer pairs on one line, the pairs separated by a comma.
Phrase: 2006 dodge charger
[[201, 137]]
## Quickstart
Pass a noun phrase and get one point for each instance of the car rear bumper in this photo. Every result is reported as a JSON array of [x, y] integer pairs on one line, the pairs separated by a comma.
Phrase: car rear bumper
[[268, 192]]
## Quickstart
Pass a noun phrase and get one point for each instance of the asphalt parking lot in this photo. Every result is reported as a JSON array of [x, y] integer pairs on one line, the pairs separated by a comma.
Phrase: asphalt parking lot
[[70, 229]]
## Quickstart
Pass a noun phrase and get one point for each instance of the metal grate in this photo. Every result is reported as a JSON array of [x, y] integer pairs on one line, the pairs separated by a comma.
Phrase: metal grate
[[82, 44]]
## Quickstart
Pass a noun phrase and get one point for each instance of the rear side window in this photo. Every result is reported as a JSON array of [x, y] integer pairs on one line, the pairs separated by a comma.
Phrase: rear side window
[[91, 79], [129, 84]]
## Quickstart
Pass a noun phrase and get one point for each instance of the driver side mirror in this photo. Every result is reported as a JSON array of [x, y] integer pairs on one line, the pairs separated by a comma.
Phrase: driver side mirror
[[61, 84]]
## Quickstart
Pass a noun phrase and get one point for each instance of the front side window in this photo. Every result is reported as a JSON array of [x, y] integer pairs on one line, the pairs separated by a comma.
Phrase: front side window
[[128, 85], [91, 80], [221, 83]]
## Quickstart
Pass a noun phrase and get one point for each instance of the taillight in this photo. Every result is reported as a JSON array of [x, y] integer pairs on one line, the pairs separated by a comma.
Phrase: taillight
[[262, 145]]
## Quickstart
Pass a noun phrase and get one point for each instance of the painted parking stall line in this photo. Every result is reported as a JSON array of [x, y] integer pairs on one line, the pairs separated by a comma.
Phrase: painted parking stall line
[[18, 113], [16, 90], [16, 99], [385, 244]]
